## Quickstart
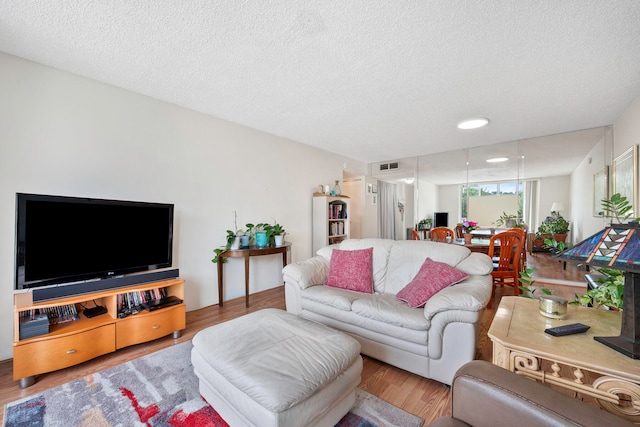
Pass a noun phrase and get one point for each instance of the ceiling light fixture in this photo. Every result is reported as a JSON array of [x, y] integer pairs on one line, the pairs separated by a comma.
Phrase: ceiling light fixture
[[409, 180], [474, 123], [497, 159]]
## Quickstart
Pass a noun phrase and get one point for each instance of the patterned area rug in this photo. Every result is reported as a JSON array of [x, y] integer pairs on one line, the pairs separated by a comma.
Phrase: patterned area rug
[[159, 389]]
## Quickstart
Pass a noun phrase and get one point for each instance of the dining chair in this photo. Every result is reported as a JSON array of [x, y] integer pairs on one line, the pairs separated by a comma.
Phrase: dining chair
[[505, 249], [459, 232], [523, 234], [415, 235], [440, 234]]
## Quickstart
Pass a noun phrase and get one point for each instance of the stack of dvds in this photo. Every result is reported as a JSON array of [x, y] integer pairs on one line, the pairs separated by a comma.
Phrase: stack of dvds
[[33, 324]]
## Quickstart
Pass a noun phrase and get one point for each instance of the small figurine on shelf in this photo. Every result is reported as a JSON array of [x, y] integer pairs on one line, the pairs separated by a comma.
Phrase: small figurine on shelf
[[337, 191]]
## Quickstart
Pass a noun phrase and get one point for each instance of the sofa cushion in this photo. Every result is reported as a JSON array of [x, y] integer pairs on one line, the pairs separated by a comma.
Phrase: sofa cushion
[[432, 277], [407, 256], [333, 297], [388, 309], [351, 270]]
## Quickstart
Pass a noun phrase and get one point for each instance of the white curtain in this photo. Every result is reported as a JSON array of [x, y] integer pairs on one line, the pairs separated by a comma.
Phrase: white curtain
[[387, 204], [530, 208]]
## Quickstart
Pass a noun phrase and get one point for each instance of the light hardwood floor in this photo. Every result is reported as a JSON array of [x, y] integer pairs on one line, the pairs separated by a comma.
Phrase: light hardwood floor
[[425, 398]]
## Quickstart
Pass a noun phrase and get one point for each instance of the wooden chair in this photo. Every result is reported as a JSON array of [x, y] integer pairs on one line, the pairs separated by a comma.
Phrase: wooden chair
[[440, 234], [507, 259], [523, 234], [415, 235], [459, 232]]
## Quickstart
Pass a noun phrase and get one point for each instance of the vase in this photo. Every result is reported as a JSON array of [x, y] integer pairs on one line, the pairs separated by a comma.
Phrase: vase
[[337, 191], [467, 238], [244, 241], [235, 244], [279, 240], [261, 239]]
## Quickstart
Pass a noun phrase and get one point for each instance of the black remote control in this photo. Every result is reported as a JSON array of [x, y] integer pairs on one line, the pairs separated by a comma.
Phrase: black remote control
[[574, 328]]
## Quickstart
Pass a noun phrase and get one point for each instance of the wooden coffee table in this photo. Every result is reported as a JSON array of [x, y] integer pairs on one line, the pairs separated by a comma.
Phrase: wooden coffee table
[[574, 362]]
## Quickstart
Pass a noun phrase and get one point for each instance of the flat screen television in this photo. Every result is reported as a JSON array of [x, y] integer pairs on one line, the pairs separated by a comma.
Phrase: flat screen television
[[65, 240]]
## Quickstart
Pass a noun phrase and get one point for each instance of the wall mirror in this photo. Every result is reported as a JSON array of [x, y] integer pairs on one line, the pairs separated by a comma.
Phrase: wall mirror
[[536, 173]]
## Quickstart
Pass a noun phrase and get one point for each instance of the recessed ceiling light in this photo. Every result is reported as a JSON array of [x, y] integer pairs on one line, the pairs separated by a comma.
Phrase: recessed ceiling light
[[497, 159], [473, 123]]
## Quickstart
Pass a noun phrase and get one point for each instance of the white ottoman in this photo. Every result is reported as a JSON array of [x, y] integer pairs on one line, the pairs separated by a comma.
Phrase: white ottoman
[[272, 368]]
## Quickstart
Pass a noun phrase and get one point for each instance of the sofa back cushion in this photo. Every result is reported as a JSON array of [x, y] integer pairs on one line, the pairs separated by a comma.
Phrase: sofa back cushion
[[351, 269], [381, 249], [407, 256]]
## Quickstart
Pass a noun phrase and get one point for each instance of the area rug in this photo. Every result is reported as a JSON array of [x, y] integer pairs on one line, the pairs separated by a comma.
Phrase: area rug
[[159, 389]]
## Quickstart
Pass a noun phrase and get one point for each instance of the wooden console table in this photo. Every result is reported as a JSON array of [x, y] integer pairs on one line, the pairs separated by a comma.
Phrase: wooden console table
[[521, 346], [246, 254]]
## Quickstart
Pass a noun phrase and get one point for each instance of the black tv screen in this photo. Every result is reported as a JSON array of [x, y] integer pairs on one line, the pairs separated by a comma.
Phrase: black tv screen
[[70, 239]]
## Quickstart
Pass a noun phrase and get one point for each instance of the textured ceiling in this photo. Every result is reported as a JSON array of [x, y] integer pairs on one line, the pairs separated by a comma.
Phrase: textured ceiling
[[372, 80]]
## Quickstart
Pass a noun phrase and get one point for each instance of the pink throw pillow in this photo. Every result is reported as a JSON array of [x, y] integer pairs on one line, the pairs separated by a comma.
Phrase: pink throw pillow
[[351, 270], [432, 277]]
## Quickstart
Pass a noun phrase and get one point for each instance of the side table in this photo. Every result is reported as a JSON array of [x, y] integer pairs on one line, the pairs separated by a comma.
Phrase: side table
[[246, 254], [521, 346]]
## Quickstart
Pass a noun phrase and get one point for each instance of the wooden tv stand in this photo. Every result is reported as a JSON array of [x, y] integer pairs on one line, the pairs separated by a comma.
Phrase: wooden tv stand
[[80, 340]]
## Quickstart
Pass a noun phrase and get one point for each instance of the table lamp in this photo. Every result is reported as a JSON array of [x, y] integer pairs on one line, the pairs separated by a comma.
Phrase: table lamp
[[617, 246]]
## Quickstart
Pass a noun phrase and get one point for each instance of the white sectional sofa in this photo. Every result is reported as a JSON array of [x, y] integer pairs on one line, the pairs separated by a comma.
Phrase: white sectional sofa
[[432, 341]]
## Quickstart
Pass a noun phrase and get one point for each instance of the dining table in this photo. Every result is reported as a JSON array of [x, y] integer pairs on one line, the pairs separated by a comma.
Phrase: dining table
[[479, 245]]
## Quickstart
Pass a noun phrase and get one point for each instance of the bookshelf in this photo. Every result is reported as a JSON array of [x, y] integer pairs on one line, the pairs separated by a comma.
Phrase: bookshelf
[[330, 220], [74, 341]]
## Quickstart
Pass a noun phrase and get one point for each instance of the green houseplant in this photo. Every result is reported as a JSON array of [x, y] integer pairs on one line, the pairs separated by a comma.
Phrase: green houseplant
[[527, 280], [276, 234], [607, 294], [507, 220], [425, 223]]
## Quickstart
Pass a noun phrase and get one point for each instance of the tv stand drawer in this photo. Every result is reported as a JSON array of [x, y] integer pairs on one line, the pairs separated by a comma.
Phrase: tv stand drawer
[[48, 355], [150, 326]]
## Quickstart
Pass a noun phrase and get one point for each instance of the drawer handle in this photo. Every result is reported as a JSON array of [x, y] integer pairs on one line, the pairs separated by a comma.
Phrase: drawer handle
[[156, 326], [71, 351]]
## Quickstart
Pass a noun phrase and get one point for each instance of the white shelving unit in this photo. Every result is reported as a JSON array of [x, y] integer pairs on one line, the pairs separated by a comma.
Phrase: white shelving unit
[[330, 220]]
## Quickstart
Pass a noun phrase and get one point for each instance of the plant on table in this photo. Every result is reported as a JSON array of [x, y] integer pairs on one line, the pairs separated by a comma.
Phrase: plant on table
[[527, 280], [425, 223], [507, 220], [608, 293], [231, 237], [468, 226]]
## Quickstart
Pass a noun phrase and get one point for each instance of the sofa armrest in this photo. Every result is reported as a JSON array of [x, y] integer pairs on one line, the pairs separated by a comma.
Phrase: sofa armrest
[[307, 273], [472, 294], [517, 400]]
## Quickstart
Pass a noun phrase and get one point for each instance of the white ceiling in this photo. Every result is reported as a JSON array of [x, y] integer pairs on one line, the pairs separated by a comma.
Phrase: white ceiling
[[371, 80]]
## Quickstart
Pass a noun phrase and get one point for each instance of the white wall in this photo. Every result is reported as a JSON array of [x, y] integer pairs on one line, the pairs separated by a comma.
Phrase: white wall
[[449, 201], [370, 212], [583, 223], [626, 130], [427, 202], [355, 189], [554, 189], [67, 135]]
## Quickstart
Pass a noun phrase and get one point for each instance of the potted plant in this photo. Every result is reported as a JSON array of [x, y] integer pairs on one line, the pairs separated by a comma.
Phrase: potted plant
[[425, 224], [609, 292], [277, 232], [618, 208], [527, 280], [467, 228], [232, 240], [556, 225], [507, 220], [260, 234]]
